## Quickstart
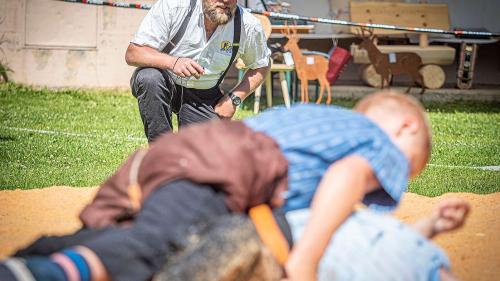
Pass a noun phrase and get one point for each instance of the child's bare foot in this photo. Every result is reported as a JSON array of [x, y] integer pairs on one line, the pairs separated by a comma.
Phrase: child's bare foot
[[448, 215]]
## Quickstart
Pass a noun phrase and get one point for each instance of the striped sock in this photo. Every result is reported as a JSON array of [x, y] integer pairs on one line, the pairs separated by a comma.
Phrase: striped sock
[[31, 269], [96, 268], [67, 265], [7, 273], [80, 263], [44, 269]]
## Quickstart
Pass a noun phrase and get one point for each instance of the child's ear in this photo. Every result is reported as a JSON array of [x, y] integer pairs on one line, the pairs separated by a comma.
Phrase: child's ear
[[409, 124]]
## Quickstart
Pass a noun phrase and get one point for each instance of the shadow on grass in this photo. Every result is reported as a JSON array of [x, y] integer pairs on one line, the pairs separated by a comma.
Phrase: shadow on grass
[[449, 107], [7, 138], [463, 107], [21, 90]]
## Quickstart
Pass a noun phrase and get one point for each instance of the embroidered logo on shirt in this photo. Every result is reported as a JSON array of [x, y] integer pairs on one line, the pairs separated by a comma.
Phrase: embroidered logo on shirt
[[226, 47]]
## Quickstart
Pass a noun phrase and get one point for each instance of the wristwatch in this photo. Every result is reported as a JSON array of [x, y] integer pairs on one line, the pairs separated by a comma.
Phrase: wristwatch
[[235, 99]]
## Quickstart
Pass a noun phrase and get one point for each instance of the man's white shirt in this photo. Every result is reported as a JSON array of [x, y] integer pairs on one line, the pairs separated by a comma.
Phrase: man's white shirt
[[164, 20]]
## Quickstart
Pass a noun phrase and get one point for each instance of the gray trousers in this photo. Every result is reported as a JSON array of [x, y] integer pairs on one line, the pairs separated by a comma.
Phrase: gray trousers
[[158, 96]]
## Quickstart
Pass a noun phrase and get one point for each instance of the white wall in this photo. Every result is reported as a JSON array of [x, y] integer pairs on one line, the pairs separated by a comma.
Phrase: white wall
[[61, 44], [474, 14]]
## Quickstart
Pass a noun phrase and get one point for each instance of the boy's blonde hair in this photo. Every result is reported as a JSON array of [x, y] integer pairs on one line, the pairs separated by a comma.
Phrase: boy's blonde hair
[[401, 104]]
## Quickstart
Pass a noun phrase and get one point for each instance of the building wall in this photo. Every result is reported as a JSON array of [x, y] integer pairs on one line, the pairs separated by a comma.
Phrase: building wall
[[57, 44], [473, 14]]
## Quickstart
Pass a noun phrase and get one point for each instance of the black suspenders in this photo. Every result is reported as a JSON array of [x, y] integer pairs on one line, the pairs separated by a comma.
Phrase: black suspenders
[[171, 45], [236, 42], [236, 36]]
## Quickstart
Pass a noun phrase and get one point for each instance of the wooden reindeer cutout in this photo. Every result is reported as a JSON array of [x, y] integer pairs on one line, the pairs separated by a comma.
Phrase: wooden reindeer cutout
[[393, 63], [308, 67]]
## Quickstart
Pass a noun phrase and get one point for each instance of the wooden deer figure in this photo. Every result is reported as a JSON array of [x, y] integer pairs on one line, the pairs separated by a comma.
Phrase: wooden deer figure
[[393, 63], [308, 67]]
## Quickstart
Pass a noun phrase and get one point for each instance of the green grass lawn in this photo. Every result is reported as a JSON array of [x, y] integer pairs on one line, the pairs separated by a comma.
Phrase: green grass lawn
[[78, 138]]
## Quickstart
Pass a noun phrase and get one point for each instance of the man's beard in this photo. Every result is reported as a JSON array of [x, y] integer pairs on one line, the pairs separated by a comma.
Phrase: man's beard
[[217, 16]]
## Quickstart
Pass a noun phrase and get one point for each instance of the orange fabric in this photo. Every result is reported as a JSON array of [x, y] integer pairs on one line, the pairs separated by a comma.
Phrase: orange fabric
[[134, 189], [269, 232], [135, 195]]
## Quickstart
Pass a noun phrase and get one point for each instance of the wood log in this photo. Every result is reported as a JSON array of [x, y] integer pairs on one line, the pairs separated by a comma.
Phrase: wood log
[[434, 76], [370, 76], [228, 249], [424, 40]]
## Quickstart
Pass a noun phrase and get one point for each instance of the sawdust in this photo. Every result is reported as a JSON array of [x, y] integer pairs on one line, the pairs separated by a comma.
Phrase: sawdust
[[473, 250]]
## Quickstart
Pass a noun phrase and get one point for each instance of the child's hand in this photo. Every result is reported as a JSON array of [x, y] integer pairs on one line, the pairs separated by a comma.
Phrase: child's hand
[[299, 270], [449, 214]]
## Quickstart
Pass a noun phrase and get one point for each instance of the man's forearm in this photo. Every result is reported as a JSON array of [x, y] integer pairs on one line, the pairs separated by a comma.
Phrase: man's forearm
[[251, 80], [144, 56]]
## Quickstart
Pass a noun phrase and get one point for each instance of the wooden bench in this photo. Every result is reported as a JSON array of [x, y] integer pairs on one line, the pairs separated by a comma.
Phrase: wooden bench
[[409, 15]]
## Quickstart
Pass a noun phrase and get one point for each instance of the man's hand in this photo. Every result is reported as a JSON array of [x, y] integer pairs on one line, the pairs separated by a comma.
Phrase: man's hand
[[225, 108], [449, 214], [145, 56], [186, 67]]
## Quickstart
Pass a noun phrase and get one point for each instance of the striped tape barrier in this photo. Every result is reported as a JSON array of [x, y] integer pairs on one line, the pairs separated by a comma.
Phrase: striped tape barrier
[[111, 3], [457, 33]]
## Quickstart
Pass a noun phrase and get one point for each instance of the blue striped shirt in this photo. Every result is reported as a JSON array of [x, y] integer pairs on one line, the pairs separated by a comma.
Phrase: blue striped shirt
[[312, 137]]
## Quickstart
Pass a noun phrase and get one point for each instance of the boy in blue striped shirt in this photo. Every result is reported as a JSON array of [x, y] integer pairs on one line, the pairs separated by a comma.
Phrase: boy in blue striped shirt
[[337, 158]]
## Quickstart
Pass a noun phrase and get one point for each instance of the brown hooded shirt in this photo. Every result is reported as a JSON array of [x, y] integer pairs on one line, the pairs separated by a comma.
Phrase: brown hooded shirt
[[247, 166]]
